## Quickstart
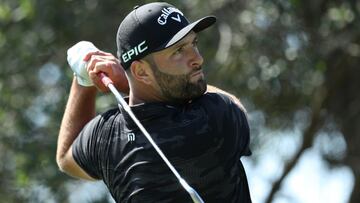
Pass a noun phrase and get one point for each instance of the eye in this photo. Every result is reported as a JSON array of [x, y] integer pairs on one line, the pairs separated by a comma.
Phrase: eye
[[179, 50], [195, 42]]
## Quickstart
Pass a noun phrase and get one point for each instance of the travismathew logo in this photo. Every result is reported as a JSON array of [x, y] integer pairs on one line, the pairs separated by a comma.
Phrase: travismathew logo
[[162, 20], [131, 137]]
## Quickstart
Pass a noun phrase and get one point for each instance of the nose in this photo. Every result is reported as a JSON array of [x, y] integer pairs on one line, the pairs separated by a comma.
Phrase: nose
[[196, 58]]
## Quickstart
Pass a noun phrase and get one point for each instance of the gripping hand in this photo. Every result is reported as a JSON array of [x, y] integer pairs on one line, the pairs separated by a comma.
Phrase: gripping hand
[[75, 58]]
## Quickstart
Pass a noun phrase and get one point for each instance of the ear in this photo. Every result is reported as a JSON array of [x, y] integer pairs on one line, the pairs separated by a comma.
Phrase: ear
[[141, 71]]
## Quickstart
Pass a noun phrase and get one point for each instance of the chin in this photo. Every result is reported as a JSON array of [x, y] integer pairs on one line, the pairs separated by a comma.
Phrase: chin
[[199, 89]]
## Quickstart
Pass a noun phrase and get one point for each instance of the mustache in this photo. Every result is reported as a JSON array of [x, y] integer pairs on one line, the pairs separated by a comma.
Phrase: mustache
[[196, 69]]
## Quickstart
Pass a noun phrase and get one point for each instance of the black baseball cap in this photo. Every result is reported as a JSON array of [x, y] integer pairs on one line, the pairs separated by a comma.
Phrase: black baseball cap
[[153, 27]]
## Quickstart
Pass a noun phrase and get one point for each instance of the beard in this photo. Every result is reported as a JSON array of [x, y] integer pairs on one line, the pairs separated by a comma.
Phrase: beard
[[179, 88]]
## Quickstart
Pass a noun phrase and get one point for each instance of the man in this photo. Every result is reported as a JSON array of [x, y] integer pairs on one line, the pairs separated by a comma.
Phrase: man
[[202, 130]]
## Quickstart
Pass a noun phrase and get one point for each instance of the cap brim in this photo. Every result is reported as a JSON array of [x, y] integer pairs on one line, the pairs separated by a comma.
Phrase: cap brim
[[196, 26]]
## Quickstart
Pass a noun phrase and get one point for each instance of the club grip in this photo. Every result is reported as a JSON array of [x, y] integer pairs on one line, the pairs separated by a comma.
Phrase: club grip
[[105, 79]]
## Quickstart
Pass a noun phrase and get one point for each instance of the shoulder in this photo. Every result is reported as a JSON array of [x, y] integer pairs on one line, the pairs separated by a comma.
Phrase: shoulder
[[214, 97], [110, 114], [107, 116], [226, 96], [89, 148], [222, 100], [97, 128], [216, 105]]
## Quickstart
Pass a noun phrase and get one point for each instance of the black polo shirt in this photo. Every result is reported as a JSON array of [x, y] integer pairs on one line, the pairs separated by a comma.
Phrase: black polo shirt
[[204, 140]]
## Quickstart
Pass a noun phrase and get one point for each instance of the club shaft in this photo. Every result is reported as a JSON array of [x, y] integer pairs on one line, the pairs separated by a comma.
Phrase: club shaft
[[194, 195]]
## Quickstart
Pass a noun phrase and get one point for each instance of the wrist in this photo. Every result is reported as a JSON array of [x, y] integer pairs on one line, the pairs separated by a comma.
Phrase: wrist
[[83, 89]]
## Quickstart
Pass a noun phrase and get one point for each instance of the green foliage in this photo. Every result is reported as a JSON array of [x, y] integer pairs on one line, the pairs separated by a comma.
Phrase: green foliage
[[275, 55]]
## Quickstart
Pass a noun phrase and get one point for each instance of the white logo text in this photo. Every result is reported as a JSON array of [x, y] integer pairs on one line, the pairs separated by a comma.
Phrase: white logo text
[[131, 137], [162, 20], [134, 51]]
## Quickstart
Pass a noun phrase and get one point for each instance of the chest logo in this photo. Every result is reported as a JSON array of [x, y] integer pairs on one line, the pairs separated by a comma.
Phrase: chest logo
[[131, 137]]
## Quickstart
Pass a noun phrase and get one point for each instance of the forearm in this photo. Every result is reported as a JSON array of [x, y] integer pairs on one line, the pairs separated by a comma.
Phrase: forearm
[[80, 109]]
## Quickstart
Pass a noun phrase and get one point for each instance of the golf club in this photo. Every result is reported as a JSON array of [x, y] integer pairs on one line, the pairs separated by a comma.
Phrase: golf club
[[109, 83]]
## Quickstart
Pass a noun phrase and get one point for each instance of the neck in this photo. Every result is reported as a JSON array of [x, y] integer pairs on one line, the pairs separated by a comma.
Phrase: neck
[[143, 94], [133, 99]]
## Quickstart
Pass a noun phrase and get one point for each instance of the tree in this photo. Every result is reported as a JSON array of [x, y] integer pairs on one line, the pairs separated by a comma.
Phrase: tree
[[280, 57], [291, 56]]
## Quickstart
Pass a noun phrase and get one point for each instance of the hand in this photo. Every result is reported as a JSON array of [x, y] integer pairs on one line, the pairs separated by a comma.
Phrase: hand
[[103, 62], [75, 56]]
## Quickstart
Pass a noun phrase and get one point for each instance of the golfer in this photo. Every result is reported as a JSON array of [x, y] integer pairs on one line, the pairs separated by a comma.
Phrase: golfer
[[201, 129]]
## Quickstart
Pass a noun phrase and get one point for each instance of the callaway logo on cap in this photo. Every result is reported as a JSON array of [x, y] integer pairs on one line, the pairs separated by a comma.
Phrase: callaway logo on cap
[[162, 20], [153, 27]]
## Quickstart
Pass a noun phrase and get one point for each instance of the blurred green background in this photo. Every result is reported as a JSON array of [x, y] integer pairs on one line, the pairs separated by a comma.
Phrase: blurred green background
[[293, 63]]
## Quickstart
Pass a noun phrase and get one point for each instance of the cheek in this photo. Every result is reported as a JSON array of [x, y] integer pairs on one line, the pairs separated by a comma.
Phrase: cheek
[[178, 67], [174, 65]]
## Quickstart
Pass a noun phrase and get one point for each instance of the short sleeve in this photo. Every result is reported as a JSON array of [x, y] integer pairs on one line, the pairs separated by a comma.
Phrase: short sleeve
[[234, 127], [242, 129], [84, 148]]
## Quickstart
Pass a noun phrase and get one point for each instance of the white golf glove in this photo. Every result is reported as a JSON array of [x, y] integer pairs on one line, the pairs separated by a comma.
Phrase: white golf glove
[[75, 56]]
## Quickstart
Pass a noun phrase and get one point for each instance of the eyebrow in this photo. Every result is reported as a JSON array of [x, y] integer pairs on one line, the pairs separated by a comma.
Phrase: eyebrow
[[184, 43]]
